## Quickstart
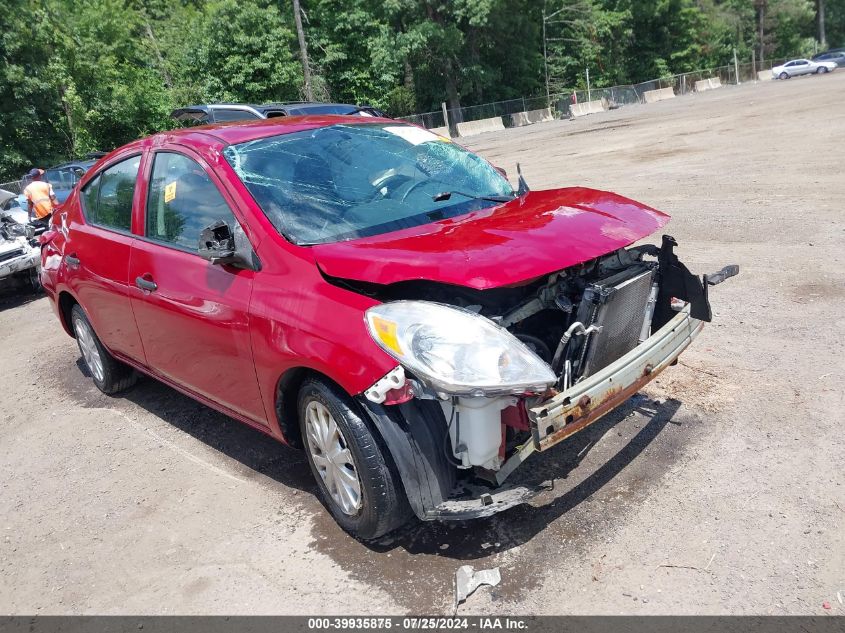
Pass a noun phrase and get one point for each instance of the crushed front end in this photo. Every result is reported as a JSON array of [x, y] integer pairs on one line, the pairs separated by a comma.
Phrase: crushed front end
[[586, 339]]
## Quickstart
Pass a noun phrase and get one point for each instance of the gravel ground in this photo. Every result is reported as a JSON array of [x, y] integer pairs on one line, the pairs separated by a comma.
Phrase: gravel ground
[[718, 490]]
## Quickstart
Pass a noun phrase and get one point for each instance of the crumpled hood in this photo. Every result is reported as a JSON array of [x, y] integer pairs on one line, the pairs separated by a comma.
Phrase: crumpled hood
[[537, 234]]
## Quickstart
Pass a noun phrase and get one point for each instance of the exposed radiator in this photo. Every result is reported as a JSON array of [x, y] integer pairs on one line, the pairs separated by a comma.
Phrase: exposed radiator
[[618, 305]]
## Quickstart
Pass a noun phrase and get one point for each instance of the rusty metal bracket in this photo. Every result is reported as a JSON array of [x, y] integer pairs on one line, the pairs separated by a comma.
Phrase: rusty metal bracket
[[585, 402]]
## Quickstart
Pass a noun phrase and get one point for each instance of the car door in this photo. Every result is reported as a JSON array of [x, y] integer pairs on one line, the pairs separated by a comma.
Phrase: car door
[[803, 67], [193, 316], [96, 255]]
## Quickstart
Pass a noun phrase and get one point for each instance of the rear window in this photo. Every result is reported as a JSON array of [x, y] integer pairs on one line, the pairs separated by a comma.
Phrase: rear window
[[233, 115], [321, 109]]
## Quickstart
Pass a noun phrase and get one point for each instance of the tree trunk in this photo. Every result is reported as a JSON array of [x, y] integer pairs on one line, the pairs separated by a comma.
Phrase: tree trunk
[[303, 51], [761, 31], [820, 19], [408, 79], [168, 80], [69, 118], [453, 98]]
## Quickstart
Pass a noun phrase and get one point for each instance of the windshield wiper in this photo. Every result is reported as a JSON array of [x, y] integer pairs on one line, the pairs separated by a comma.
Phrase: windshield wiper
[[445, 195]]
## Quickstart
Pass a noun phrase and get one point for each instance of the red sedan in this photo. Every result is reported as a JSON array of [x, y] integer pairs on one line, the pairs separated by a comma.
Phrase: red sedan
[[374, 294]]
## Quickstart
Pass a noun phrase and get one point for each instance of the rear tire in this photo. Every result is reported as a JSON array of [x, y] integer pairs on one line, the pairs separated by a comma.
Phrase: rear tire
[[356, 482], [822, 70], [109, 374]]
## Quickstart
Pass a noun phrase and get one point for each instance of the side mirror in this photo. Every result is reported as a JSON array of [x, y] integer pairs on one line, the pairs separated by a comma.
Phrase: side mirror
[[219, 244]]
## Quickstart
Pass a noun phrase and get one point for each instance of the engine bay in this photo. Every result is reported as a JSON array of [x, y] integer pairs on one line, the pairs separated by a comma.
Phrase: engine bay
[[577, 321]]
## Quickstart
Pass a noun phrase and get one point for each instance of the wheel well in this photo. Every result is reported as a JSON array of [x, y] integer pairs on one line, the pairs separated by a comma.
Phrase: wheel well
[[66, 303], [287, 391]]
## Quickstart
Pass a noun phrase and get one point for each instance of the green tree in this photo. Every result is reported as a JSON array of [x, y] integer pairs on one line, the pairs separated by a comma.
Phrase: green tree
[[247, 52]]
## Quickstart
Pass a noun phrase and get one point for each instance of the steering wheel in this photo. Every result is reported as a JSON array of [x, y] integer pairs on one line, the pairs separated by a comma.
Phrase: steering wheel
[[390, 182], [412, 187]]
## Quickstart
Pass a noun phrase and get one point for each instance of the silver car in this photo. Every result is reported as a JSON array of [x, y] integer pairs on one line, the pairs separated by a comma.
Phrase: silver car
[[802, 67]]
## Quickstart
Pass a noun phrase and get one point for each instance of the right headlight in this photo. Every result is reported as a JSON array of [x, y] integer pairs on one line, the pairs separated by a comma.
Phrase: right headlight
[[456, 351]]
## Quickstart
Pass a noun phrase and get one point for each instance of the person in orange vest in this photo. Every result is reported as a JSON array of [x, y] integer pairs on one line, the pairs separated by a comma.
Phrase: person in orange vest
[[40, 197]]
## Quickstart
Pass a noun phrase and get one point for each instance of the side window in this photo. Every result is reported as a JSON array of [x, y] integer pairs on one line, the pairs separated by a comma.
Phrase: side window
[[89, 197], [108, 198], [233, 115], [182, 201]]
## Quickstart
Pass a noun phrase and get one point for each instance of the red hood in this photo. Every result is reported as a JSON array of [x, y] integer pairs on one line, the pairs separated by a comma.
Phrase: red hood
[[537, 234]]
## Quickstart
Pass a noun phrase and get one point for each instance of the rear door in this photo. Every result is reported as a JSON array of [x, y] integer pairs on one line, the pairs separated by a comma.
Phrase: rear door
[[96, 255], [193, 316]]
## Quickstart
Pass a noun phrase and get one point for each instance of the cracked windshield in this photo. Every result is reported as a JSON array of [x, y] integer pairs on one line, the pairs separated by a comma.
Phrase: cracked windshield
[[348, 181]]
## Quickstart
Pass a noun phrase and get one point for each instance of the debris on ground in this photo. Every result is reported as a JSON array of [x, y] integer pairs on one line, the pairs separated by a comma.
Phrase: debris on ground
[[467, 580]]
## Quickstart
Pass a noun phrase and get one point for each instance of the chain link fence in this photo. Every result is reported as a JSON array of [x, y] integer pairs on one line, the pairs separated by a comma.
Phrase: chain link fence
[[15, 186], [612, 97]]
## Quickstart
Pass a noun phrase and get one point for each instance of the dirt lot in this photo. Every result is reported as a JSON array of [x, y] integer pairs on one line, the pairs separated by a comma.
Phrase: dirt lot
[[719, 490]]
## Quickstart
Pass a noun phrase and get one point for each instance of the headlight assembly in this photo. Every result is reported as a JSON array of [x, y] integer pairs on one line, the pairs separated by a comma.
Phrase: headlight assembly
[[456, 351]]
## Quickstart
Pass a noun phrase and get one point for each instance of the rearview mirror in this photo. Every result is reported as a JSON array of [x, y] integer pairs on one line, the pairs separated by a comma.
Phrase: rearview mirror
[[219, 244]]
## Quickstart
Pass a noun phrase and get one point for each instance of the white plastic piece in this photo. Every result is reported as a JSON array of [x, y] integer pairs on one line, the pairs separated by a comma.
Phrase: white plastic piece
[[476, 430], [394, 379], [467, 580]]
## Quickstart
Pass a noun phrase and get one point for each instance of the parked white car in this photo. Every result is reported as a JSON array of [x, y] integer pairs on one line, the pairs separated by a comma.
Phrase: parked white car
[[802, 67], [20, 254]]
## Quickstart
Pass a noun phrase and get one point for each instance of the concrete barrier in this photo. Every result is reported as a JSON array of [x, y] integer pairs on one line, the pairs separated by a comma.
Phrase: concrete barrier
[[708, 84], [764, 75], [442, 131], [652, 96], [531, 116], [587, 107], [468, 128]]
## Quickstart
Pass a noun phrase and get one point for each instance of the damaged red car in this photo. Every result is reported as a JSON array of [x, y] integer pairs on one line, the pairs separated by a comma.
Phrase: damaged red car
[[371, 293]]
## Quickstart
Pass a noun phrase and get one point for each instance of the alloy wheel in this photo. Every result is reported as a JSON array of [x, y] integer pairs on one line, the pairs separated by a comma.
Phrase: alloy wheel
[[332, 458], [88, 347]]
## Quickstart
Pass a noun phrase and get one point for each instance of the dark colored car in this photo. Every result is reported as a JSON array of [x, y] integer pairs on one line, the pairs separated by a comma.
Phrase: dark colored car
[[375, 294], [836, 55], [223, 112], [64, 177]]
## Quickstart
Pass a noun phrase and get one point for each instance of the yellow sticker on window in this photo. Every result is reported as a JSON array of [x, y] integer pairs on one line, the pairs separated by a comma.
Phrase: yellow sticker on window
[[170, 191]]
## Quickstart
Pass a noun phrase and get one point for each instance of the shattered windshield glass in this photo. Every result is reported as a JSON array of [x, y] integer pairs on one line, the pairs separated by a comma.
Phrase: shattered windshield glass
[[347, 181]]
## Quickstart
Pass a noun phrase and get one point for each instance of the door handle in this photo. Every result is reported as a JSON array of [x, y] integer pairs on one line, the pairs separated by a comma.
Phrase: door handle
[[72, 260], [145, 282]]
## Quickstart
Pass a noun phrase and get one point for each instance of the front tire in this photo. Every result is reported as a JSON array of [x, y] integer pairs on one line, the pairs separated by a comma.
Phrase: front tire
[[109, 374], [783, 76], [356, 482]]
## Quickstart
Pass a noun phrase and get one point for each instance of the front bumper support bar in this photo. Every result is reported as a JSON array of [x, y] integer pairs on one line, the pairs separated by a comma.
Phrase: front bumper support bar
[[568, 412]]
